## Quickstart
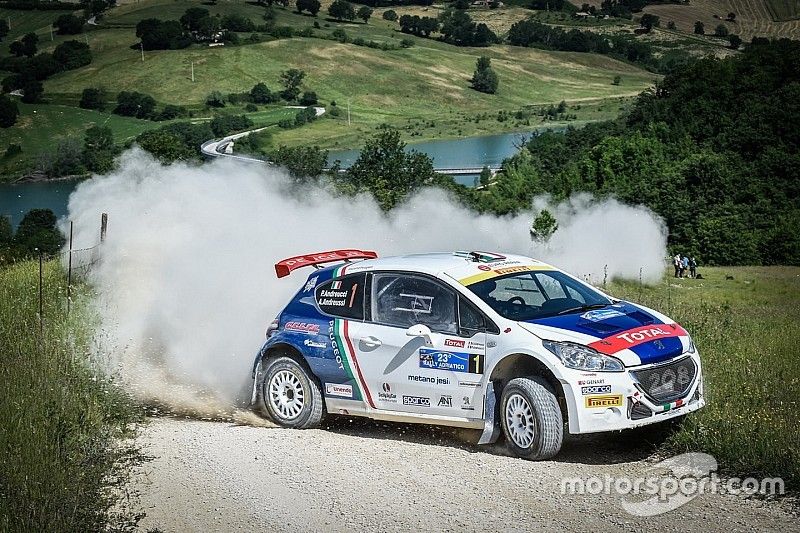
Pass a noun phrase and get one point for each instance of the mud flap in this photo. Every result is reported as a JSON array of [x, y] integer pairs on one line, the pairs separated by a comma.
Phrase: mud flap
[[491, 424]]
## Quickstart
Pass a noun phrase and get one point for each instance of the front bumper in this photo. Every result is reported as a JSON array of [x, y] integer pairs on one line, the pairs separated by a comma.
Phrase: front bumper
[[612, 401]]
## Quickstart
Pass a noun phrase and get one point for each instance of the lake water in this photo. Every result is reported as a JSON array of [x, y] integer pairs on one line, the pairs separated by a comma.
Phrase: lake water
[[488, 150]]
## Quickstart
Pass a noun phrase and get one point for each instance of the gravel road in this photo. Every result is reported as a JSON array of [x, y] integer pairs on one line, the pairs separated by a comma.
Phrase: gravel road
[[359, 474]]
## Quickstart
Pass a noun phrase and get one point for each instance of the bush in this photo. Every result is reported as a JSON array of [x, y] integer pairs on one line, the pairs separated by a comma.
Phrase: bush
[[68, 25], [8, 111], [286, 123], [32, 90], [135, 104], [72, 54], [226, 124], [407, 43], [171, 112], [340, 35], [260, 94], [215, 99], [238, 23], [308, 98], [12, 150], [251, 108], [92, 98], [390, 15]]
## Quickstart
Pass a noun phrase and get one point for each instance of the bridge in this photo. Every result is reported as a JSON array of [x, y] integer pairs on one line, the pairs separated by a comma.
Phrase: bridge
[[224, 148]]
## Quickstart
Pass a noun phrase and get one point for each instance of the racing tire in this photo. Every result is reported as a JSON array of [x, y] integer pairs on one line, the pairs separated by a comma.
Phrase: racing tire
[[290, 396], [531, 419]]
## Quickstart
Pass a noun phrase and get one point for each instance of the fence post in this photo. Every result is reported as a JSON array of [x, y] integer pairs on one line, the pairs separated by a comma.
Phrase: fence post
[[41, 297], [640, 283], [103, 226], [69, 270], [605, 276]]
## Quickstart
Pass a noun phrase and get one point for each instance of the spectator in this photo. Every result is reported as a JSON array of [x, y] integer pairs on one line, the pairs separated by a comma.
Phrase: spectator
[[676, 262], [684, 266], [692, 268]]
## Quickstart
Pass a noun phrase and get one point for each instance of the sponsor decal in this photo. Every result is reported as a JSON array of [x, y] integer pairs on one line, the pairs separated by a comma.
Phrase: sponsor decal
[[302, 327], [417, 400], [337, 389], [456, 343], [445, 401], [598, 315], [336, 285], [337, 353], [512, 270], [466, 404], [386, 394], [428, 379], [591, 382], [344, 354], [609, 400], [314, 344], [469, 384], [485, 268], [453, 361], [636, 336], [311, 284], [595, 389], [475, 345]]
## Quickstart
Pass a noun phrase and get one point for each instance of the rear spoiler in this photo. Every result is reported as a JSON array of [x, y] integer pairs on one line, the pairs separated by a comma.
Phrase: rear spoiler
[[285, 267]]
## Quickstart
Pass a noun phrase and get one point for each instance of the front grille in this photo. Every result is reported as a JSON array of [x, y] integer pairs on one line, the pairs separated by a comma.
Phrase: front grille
[[668, 382], [639, 411]]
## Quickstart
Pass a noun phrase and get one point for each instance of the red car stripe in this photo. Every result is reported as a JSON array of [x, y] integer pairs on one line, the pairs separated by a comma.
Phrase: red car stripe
[[346, 336], [636, 336]]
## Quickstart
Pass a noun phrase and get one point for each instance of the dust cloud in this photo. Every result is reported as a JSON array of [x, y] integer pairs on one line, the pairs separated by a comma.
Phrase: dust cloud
[[186, 285]]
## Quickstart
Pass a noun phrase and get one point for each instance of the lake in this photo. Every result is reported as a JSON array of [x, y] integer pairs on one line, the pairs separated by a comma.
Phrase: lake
[[487, 150]]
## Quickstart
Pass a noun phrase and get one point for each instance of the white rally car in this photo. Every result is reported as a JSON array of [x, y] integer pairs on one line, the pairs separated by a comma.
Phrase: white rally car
[[475, 340]]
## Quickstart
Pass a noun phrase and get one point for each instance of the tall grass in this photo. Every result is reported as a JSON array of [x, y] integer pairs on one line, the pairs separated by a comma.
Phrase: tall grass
[[748, 332], [63, 456]]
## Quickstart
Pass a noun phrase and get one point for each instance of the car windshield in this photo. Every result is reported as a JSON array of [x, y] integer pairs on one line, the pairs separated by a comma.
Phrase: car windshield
[[539, 294]]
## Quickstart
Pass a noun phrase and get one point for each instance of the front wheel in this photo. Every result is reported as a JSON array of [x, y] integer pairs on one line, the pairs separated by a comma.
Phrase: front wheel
[[290, 396], [531, 419]]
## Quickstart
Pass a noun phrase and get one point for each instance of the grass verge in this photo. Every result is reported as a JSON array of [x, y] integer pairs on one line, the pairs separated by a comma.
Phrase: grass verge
[[63, 460], [747, 330]]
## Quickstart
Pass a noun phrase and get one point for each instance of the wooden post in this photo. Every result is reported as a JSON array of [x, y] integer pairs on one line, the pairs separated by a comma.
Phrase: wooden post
[[69, 270], [41, 297], [103, 226]]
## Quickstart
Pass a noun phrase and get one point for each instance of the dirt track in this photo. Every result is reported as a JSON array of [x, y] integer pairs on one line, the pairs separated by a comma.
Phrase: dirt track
[[213, 476]]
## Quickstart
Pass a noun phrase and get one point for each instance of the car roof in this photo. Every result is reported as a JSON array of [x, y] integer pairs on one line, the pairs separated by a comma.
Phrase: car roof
[[465, 267]]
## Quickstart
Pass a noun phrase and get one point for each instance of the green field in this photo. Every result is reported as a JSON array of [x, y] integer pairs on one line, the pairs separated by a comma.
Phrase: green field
[[26, 21], [783, 9], [747, 330]]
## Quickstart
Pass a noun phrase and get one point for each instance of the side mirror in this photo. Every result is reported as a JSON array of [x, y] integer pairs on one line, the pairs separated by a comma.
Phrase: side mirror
[[420, 330]]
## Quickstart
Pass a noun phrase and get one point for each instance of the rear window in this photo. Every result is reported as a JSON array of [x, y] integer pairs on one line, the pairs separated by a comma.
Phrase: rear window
[[342, 297]]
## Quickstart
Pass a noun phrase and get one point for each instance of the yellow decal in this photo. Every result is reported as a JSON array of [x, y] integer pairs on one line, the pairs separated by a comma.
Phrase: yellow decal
[[488, 274], [609, 400]]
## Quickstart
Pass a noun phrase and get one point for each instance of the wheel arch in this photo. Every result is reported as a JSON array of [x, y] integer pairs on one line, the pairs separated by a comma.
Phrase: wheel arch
[[516, 365]]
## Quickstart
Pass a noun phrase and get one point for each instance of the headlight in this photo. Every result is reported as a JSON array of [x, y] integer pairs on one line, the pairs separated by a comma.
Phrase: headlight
[[692, 348], [582, 357]]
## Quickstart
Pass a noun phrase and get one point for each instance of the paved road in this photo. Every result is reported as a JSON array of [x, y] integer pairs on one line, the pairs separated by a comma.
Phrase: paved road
[[363, 475]]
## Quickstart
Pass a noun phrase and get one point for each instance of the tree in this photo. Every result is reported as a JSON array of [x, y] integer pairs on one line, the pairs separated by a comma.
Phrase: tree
[[68, 25], [721, 30], [390, 15], [4, 29], [192, 18], [386, 170], [98, 149], [735, 41], [308, 98], [92, 98], [158, 35], [484, 79], [342, 10], [38, 230], [32, 90], [364, 13], [302, 162], [26, 46], [215, 99], [485, 176], [649, 21], [8, 111], [165, 146], [72, 54], [135, 104], [260, 94], [6, 232], [292, 79], [699, 28], [543, 226], [671, 25], [312, 6], [732, 16]]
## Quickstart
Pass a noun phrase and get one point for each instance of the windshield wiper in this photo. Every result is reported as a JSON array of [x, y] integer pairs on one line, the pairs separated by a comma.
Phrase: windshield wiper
[[582, 308]]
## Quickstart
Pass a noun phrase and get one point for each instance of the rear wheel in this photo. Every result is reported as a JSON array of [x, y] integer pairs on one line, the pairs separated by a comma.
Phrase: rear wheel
[[290, 395], [531, 419]]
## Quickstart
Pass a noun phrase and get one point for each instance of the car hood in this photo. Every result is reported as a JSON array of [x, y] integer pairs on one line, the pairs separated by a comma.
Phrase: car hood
[[632, 334]]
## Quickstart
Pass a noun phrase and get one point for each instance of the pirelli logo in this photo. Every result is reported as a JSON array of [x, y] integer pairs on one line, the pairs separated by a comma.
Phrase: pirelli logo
[[607, 400]]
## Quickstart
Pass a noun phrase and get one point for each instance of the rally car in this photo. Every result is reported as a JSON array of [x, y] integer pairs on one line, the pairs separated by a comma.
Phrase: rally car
[[502, 343]]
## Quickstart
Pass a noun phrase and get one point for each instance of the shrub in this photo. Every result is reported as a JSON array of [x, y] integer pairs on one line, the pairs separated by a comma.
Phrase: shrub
[[172, 111], [215, 99], [92, 98], [8, 111], [286, 123], [32, 90], [250, 108], [68, 25], [225, 124], [12, 150], [308, 98], [135, 104], [260, 94], [390, 15], [72, 54]]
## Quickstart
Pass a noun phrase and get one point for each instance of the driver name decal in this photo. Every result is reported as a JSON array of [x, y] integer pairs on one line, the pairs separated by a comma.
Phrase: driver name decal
[[453, 361]]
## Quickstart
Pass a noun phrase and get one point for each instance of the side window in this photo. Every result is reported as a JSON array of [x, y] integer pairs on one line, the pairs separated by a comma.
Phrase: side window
[[343, 297], [404, 300]]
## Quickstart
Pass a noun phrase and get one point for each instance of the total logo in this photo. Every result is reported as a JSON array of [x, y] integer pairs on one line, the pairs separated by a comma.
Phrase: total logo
[[386, 394], [445, 401], [457, 343]]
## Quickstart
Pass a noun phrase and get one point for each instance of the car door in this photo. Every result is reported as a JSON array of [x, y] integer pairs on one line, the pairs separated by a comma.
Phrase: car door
[[412, 351]]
